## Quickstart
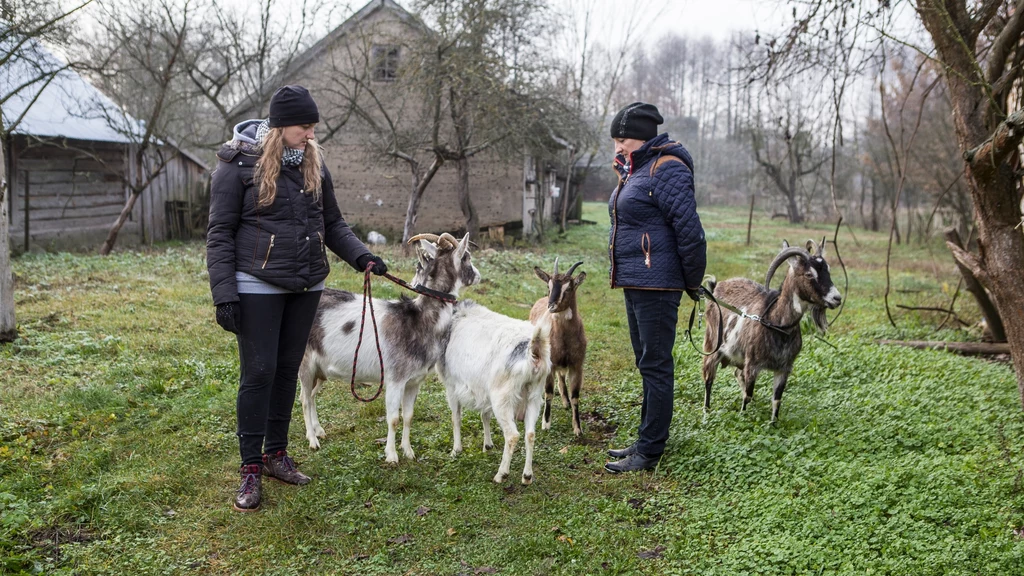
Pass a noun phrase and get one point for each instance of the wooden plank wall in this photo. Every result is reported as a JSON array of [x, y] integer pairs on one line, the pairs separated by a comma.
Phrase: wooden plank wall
[[63, 188], [73, 193], [181, 180]]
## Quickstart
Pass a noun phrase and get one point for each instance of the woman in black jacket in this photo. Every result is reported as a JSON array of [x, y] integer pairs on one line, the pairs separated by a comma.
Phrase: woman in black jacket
[[657, 252], [273, 215]]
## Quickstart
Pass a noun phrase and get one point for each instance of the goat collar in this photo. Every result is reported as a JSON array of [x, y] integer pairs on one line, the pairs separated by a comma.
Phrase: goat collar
[[421, 289]]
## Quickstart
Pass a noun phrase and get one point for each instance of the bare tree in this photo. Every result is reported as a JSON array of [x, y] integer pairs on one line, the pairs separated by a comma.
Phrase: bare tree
[[785, 146], [138, 52], [483, 64], [236, 54]]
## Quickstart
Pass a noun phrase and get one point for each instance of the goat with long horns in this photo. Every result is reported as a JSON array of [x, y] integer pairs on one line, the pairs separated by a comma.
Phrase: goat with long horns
[[767, 334]]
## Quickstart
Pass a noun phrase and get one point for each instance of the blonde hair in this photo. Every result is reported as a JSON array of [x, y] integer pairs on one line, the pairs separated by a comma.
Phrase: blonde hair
[[268, 168]]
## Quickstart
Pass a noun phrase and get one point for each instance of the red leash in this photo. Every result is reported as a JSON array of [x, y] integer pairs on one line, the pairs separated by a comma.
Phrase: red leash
[[367, 297]]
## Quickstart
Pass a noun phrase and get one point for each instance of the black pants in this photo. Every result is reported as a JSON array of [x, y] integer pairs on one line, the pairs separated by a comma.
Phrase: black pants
[[652, 316], [271, 342]]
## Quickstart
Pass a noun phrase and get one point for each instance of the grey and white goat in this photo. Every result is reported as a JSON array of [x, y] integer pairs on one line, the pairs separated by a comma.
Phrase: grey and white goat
[[568, 340], [752, 346], [412, 335], [496, 365]]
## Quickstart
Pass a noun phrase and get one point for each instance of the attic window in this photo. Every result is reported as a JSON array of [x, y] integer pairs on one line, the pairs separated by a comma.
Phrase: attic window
[[385, 62]]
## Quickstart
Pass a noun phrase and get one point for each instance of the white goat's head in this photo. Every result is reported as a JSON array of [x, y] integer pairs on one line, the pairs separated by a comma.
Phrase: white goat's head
[[443, 263], [561, 287]]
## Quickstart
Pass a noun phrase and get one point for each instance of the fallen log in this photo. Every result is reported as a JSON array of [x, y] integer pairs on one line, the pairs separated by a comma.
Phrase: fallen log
[[965, 348]]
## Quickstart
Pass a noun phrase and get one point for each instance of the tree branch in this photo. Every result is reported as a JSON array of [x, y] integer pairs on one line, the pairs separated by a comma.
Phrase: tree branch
[[985, 13], [998, 147], [1005, 43], [969, 261]]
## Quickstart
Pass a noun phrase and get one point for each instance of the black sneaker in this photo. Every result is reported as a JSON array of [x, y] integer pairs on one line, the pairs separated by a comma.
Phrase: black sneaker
[[631, 449], [280, 466], [250, 492], [633, 463]]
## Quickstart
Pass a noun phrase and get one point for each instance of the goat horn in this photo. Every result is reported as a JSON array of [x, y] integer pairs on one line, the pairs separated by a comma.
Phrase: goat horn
[[573, 269], [786, 254], [428, 237], [452, 242], [556, 266]]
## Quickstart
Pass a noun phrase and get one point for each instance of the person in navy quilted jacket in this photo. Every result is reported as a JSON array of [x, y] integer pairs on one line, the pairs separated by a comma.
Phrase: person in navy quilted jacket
[[657, 252]]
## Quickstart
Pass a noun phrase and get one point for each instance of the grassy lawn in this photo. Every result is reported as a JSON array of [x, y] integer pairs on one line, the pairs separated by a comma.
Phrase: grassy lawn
[[118, 454]]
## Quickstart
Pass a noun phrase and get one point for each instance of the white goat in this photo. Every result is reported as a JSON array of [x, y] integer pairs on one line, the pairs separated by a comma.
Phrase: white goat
[[496, 364], [412, 333]]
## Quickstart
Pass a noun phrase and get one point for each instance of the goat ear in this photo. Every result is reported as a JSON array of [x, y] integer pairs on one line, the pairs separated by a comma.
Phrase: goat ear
[[460, 251], [821, 248], [811, 247], [541, 274], [579, 279], [426, 249], [785, 244]]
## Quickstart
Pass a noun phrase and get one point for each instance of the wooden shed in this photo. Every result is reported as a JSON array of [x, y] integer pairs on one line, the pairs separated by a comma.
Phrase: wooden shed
[[68, 168]]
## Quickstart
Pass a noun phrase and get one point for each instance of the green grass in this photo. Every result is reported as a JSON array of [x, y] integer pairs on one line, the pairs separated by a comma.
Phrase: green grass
[[118, 455]]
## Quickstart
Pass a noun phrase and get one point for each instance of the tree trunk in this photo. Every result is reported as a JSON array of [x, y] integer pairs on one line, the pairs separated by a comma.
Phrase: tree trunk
[[108, 244], [465, 202], [8, 327], [566, 196], [419, 186], [989, 177], [794, 210], [988, 310]]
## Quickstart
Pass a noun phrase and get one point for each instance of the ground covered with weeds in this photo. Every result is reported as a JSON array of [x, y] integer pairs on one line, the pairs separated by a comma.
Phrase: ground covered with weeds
[[118, 455]]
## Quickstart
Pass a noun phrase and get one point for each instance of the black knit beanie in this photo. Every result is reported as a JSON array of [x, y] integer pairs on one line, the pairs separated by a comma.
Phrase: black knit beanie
[[638, 121], [292, 106]]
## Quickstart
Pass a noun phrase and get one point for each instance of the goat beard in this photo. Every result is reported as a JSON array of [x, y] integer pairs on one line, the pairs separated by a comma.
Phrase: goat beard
[[819, 318]]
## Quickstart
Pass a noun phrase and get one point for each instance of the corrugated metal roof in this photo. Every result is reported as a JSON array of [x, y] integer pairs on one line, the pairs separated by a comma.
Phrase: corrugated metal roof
[[63, 105]]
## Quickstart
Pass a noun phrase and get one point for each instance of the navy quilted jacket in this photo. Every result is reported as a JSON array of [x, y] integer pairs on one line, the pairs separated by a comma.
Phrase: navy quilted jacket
[[656, 241]]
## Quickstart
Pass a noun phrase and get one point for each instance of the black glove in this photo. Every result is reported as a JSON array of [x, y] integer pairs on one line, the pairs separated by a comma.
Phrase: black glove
[[229, 316], [379, 267], [693, 293]]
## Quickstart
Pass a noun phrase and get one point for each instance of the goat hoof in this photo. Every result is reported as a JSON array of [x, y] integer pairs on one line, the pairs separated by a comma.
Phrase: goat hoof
[[488, 447], [314, 444], [391, 459], [527, 479], [454, 453], [545, 425], [319, 432], [499, 478], [577, 432]]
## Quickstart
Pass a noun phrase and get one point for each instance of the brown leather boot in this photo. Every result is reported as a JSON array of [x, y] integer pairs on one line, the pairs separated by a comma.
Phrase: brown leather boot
[[251, 491], [280, 466]]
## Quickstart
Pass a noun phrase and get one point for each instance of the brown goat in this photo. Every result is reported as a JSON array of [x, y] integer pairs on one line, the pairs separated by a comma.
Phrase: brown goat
[[568, 340], [750, 345]]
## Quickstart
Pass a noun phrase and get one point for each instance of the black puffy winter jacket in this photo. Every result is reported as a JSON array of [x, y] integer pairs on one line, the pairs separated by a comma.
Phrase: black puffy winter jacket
[[285, 243]]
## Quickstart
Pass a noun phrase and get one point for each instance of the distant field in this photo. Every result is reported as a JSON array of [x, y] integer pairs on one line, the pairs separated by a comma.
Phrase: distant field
[[118, 454]]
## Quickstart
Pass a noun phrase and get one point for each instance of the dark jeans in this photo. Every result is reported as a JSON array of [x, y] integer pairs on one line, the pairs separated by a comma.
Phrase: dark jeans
[[652, 316], [271, 342]]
